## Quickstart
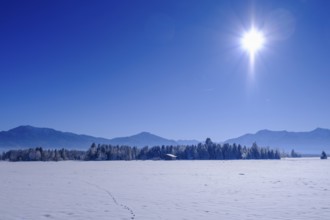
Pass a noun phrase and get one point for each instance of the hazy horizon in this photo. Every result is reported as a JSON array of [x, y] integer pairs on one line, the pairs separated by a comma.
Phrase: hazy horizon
[[169, 138]]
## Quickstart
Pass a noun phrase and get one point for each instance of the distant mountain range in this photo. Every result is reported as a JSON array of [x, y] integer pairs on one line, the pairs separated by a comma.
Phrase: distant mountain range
[[311, 142], [28, 136]]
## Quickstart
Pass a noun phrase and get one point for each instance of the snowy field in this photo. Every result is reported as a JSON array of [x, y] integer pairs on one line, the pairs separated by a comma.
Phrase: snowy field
[[274, 189]]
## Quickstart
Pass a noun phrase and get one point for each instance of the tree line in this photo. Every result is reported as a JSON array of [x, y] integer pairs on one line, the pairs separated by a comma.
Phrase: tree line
[[40, 154], [202, 151]]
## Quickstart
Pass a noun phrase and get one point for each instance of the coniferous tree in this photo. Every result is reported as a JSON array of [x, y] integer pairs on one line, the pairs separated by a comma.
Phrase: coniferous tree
[[324, 155]]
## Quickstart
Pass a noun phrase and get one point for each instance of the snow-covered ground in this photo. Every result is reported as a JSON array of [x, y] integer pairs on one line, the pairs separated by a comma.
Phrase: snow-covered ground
[[258, 190]]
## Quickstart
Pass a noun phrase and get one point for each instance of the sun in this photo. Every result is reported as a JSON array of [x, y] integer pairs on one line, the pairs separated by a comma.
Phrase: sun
[[252, 41]]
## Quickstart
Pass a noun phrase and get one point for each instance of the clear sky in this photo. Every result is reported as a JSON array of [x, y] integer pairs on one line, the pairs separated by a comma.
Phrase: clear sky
[[172, 68]]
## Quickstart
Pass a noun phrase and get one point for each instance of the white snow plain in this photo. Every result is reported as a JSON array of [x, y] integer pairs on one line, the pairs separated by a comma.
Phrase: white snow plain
[[243, 189]]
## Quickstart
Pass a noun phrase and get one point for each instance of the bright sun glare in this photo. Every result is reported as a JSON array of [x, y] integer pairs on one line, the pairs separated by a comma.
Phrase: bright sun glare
[[252, 41]]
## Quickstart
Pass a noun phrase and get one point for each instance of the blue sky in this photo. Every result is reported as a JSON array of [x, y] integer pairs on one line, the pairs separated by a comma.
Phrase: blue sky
[[173, 68]]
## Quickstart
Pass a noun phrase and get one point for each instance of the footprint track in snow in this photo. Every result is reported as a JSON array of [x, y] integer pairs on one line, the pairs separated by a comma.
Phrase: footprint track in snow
[[114, 199]]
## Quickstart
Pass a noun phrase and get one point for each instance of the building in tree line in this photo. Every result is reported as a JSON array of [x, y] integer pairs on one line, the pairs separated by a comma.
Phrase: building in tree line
[[170, 157]]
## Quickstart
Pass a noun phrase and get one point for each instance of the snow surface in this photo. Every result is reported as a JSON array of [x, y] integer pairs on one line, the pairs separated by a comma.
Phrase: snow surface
[[271, 189]]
